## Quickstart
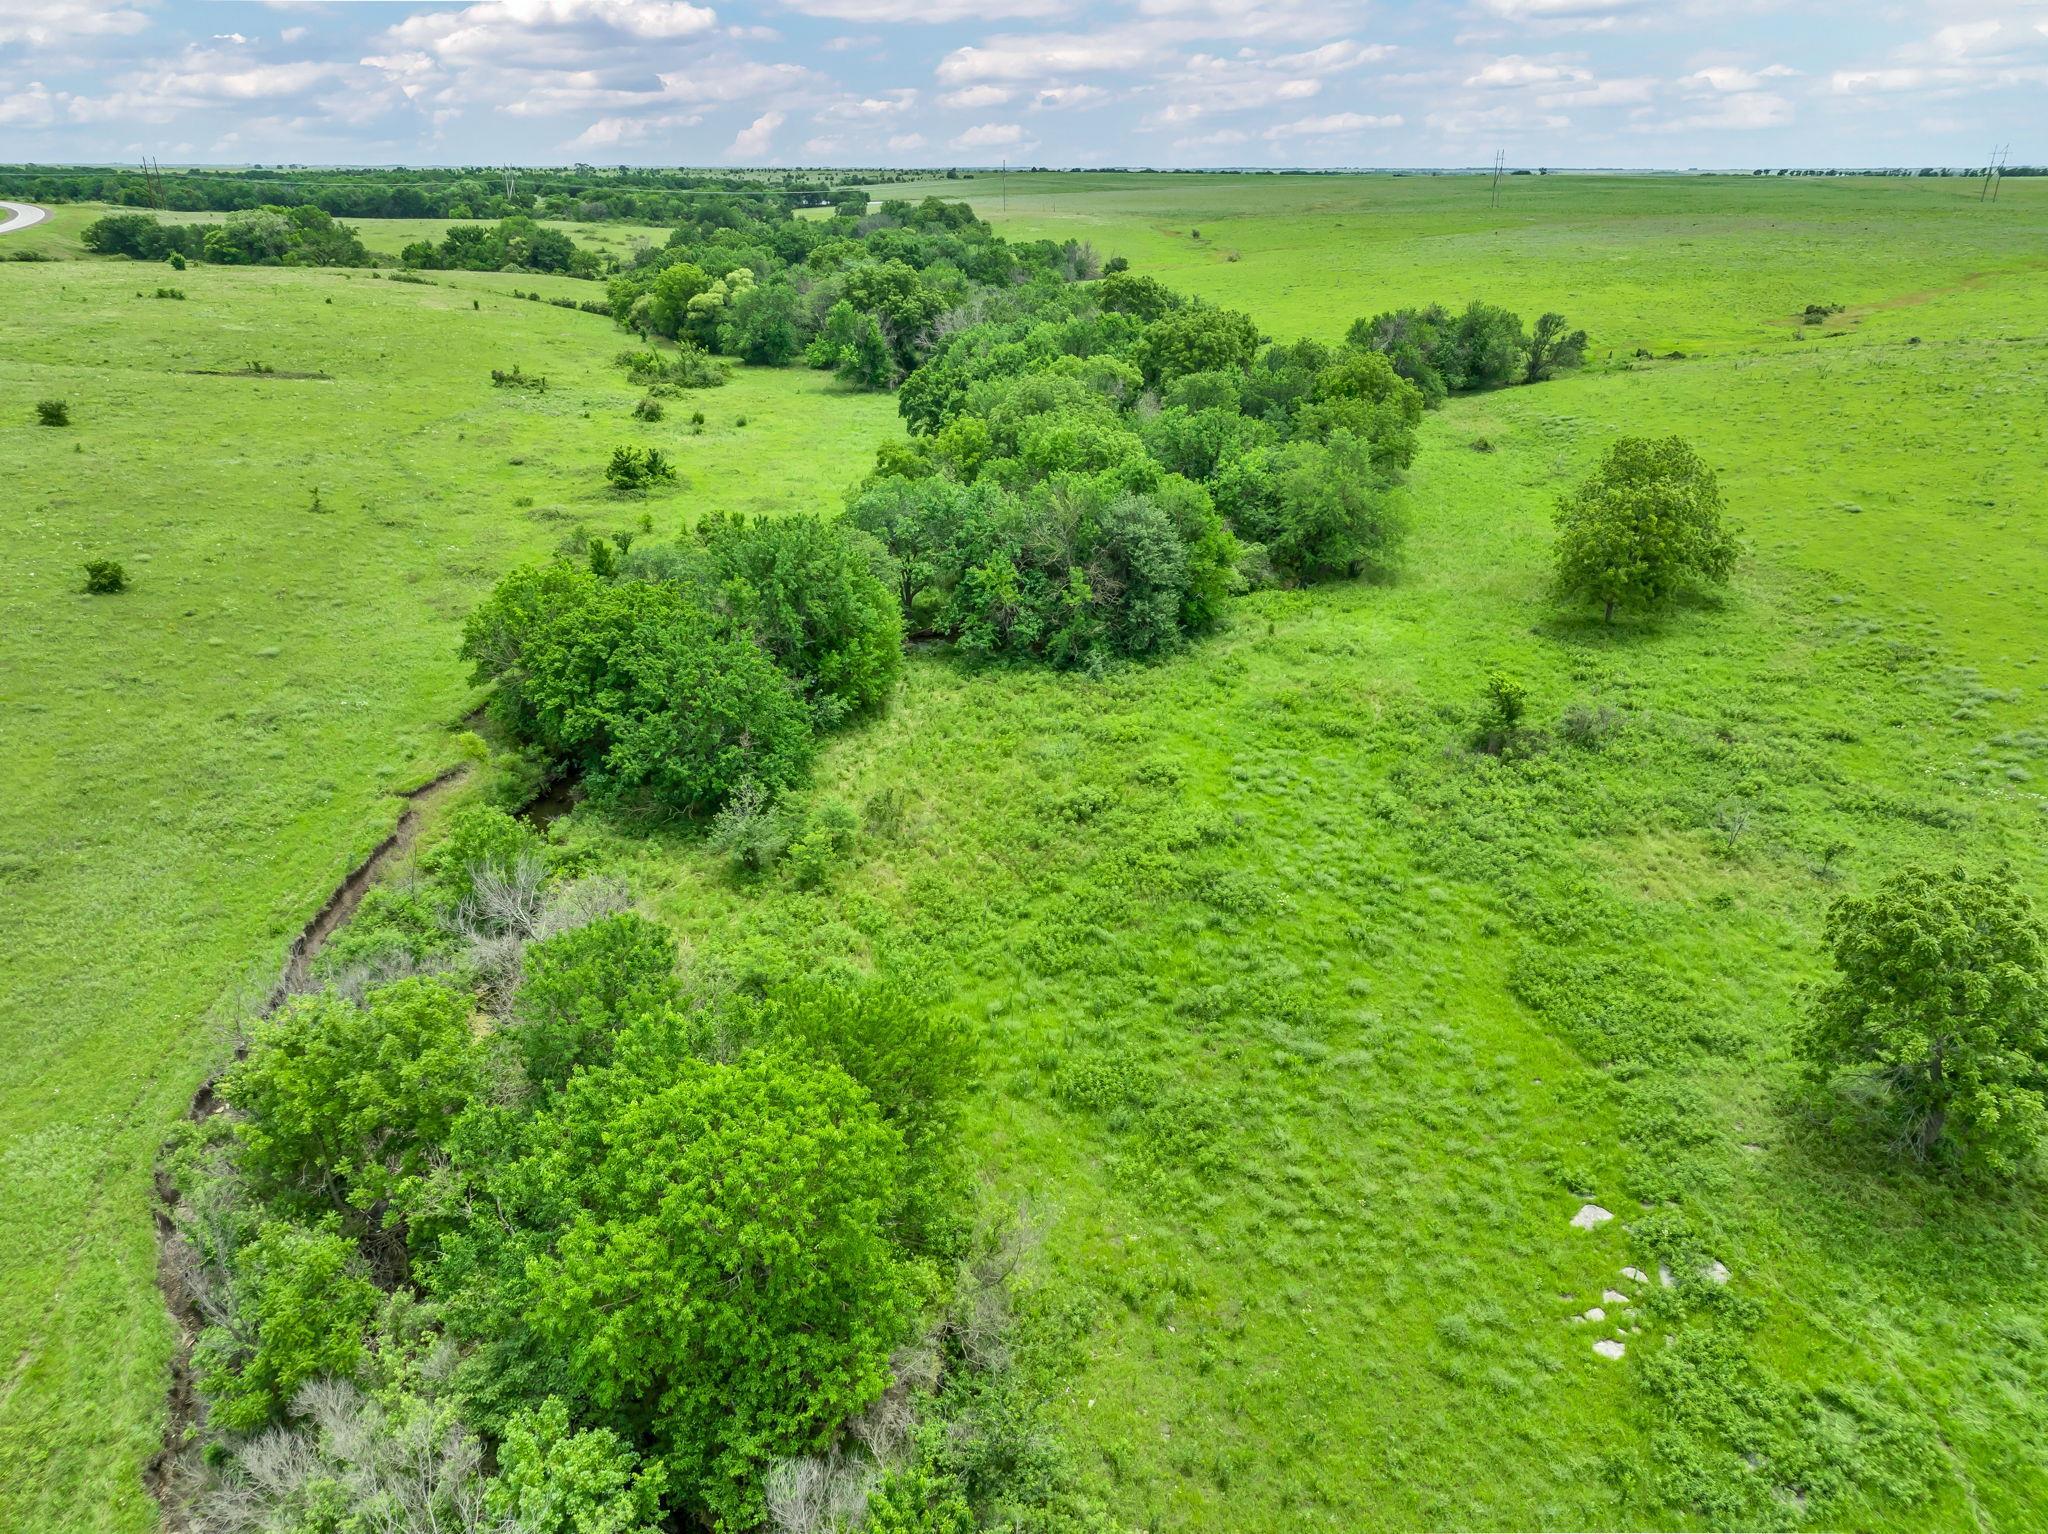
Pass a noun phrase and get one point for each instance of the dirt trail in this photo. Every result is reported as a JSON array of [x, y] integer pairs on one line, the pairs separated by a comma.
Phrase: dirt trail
[[176, 1264]]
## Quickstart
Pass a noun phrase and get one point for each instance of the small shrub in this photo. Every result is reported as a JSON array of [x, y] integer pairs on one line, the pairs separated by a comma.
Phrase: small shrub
[[104, 577], [635, 468], [177, 262], [696, 418], [53, 412], [649, 409], [1507, 697], [741, 421], [170, 292], [517, 378], [1588, 725]]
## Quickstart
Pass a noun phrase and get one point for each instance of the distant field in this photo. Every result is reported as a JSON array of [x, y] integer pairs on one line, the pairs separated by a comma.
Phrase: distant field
[[1361, 987], [59, 235], [195, 764]]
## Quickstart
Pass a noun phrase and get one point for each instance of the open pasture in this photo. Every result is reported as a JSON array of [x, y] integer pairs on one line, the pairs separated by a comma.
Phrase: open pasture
[[1309, 1027]]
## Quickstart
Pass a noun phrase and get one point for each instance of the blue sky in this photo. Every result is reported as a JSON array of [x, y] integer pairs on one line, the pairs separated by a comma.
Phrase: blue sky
[[1658, 83]]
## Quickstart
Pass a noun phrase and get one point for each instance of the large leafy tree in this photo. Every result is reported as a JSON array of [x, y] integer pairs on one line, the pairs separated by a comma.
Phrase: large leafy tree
[[1645, 525], [1939, 1000], [724, 1284], [639, 685], [817, 594]]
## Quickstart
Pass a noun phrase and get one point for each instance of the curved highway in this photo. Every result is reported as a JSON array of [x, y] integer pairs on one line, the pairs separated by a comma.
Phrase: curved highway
[[20, 216]]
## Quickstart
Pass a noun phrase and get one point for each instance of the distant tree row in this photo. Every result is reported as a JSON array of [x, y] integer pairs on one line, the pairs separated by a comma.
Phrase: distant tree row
[[625, 193]]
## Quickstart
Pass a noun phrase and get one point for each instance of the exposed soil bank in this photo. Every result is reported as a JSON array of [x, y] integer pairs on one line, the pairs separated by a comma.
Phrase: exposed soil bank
[[176, 1263]]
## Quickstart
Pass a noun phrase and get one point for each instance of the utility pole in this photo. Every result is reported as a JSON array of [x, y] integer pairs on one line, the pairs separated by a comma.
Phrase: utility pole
[[1004, 179], [1499, 161], [1989, 190]]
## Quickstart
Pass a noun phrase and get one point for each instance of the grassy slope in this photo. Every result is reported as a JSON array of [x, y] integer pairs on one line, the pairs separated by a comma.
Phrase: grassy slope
[[194, 764], [1361, 1321]]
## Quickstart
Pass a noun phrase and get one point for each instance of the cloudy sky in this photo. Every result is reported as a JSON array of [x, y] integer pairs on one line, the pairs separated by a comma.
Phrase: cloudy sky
[[1661, 83]]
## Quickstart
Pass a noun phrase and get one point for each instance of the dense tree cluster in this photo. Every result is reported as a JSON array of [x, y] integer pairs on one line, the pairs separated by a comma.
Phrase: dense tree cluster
[[512, 244], [643, 1239], [637, 194], [265, 236], [863, 294], [1485, 347], [1094, 466], [668, 677]]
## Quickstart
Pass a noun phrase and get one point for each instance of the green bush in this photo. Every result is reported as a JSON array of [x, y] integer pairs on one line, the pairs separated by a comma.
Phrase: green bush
[[1645, 525], [819, 595], [105, 577], [53, 412], [659, 702], [581, 986], [296, 1308], [636, 468], [724, 1275], [648, 409], [348, 1106]]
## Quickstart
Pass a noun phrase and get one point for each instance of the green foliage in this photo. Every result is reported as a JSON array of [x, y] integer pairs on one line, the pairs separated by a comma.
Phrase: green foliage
[[1507, 698], [296, 1309], [346, 1108], [639, 687], [53, 412], [105, 577], [1643, 527], [636, 468], [583, 985], [725, 1276], [552, 1480], [819, 596], [516, 244], [1196, 340], [1939, 1005], [480, 839]]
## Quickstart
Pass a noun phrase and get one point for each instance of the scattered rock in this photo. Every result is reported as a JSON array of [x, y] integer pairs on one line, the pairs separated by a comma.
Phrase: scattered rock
[[1664, 1277], [1717, 1272], [1590, 1216], [1635, 1275], [1613, 1297], [1607, 1347], [1595, 1314]]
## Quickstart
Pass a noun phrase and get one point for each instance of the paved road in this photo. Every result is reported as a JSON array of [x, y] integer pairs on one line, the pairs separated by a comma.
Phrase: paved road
[[21, 216]]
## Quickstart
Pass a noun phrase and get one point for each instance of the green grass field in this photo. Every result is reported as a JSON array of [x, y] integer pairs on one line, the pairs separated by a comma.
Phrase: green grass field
[[1310, 1028], [196, 763]]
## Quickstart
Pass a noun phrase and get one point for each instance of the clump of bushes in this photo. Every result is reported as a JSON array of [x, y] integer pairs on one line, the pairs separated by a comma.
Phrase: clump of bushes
[[687, 367], [105, 577], [516, 377], [648, 409], [637, 468], [170, 293], [53, 412], [1485, 347], [1817, 314]]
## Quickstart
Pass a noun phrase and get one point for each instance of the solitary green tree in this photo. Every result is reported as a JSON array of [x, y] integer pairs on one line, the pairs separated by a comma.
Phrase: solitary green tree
[[1940, 1001], [1644, 525]]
